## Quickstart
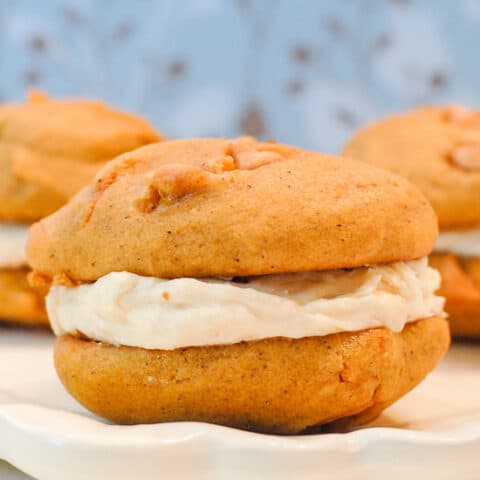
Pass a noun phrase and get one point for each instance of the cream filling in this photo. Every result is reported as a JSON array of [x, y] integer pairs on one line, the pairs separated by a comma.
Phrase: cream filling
[[13, 240], [465, 243], [126, 309]]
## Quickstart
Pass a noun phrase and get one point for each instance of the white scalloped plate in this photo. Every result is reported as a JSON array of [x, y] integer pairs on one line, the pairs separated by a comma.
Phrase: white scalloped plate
[[433, 430]]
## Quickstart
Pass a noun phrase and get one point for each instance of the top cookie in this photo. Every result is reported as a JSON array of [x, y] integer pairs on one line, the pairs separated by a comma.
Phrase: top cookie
[[49, 149], [438, 149], [216, 207]]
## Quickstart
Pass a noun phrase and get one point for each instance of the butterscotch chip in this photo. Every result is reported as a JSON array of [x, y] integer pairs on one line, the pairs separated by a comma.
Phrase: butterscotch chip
[[467, 157], [277, 385]]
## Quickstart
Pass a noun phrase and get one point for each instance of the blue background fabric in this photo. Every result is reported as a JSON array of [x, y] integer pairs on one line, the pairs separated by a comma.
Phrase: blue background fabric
[[306, 72]]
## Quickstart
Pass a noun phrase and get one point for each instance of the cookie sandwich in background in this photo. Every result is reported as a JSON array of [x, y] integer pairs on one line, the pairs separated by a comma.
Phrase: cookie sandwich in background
[[248, 284], [49, 149], [438, 149]]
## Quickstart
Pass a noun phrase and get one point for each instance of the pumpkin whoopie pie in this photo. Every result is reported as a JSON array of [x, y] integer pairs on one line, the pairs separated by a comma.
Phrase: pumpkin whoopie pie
[[49, 149], [248, 284], [438, 149]]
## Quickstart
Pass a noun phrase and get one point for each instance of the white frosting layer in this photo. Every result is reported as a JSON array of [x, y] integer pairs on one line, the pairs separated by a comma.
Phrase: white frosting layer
[[127, 309], [13, 240], [465, 242]]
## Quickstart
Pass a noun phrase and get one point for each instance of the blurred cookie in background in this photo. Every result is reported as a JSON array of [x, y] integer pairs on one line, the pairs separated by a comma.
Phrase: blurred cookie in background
[[438, 149], [49, 149]]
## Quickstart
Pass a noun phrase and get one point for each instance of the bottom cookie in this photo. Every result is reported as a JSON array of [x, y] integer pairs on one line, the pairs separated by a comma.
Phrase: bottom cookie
[[276, 385]]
